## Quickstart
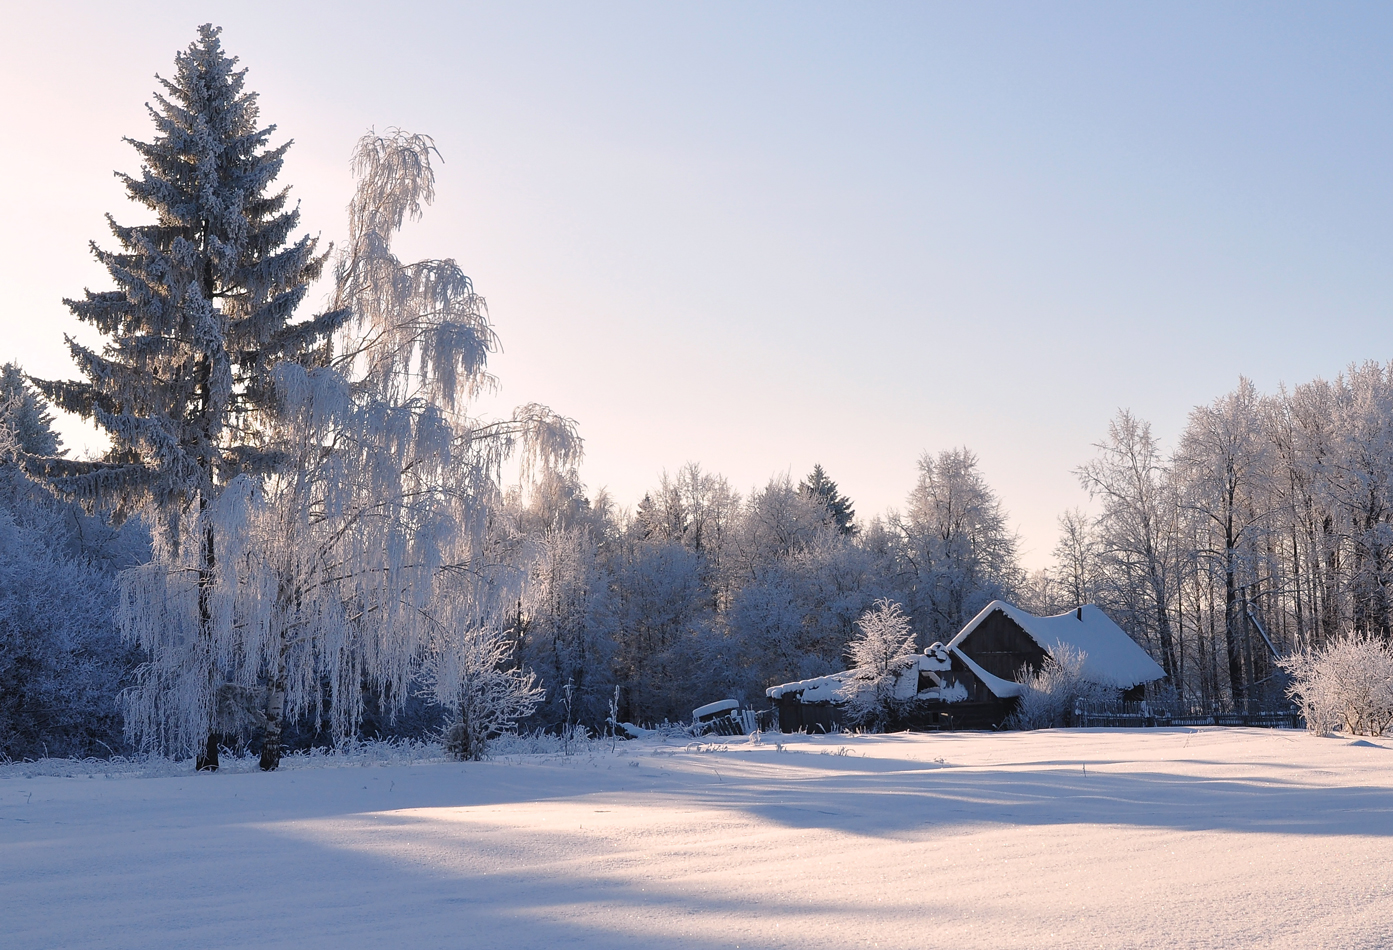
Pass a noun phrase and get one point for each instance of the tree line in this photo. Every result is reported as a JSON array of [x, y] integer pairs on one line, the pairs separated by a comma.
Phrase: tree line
[[301, 534], [1266, 531]]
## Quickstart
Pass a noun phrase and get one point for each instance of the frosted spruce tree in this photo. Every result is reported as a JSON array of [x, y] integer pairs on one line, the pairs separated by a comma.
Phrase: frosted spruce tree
[[196, 327], [839, 509], [364, 561], [25, 416]]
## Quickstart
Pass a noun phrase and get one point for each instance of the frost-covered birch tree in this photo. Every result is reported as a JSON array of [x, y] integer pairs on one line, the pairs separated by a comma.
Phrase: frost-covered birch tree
[[364, 559], [199, 318], [1137, 530], [1224, 464], [884, 644], [955, 544]]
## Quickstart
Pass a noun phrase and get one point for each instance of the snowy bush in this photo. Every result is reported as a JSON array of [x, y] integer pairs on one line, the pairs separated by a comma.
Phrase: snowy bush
[[883, 646], [470, 677], [61, 657], [1052, 692], [1347, 684]]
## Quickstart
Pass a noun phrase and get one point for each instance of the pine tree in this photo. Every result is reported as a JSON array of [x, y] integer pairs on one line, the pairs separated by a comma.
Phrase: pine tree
[[199, 320], [838, 505]]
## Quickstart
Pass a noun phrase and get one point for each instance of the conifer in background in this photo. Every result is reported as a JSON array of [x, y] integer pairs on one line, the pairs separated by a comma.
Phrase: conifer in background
[[839, 509], [199, 318], [25, 415]]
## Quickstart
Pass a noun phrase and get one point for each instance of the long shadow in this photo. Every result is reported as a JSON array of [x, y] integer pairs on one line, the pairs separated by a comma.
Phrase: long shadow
[[221, 863], [862, 795], [232, 884], [887, 805]]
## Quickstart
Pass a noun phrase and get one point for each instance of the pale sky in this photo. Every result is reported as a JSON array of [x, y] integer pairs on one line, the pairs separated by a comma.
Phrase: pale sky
[[760, 236]]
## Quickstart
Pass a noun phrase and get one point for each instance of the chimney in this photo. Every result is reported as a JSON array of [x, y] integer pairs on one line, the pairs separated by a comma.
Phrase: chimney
[[1079, 612]]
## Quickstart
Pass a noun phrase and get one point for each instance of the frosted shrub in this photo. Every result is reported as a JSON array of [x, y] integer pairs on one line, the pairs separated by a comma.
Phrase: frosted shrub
[[1052, 692], [61, 658], [884, 645], [470, 675], [1346, 685]]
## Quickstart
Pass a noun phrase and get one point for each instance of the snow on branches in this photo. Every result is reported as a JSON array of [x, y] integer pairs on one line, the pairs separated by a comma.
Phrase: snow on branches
[[1053, 691], [1346, 684], [361, 561], [883, 646]]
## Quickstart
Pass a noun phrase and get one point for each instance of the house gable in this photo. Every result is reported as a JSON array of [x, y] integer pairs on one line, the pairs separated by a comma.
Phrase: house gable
[[1001, 647], [1111, 658]]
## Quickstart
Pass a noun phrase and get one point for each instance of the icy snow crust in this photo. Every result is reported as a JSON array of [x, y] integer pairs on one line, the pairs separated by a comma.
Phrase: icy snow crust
[[1111, 657], [1068, 838]]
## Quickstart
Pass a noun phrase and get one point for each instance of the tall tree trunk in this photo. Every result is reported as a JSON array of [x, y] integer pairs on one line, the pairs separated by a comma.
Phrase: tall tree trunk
[[207, 761], [1231, 637], [1330, 600], [275, 722], [1163, 628], [1378, 593], [1301, 643], [1249, 660]]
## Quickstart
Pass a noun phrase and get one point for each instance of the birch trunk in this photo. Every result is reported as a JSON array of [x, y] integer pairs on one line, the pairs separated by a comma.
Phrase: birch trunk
[[275, 724]]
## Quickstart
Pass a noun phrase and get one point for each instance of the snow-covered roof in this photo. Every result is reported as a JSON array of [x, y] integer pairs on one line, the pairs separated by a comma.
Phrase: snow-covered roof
[[1110, 656], [835, 687], [711, 709], [819, 689]]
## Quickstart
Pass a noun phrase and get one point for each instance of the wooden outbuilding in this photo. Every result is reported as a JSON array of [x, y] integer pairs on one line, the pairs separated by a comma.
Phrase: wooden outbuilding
[[973, 681]]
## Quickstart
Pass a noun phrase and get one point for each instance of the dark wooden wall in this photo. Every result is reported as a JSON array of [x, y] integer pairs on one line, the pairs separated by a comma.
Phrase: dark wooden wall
[[810, 717], [1001, 647]]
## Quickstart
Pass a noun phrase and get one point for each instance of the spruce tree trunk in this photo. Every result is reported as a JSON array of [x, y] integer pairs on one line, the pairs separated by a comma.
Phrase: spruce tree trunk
[[207, 760]]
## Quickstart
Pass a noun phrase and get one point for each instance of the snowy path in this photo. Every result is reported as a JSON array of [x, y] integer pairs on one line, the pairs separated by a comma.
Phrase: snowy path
[[1107, 838]]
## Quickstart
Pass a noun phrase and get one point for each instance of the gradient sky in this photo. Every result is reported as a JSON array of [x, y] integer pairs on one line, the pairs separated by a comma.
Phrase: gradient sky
[[760, 236]]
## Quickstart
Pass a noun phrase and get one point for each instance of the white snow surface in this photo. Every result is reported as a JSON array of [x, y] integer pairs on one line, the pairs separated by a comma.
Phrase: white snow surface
[[1165, 838], [1111, 657]]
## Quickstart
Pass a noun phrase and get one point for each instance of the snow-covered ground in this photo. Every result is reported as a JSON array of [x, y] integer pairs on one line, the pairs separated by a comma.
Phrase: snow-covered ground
[[1073, 838]]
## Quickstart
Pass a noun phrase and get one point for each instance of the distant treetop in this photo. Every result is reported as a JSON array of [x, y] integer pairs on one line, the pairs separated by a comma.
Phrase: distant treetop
[[23, 410], [839, 509]]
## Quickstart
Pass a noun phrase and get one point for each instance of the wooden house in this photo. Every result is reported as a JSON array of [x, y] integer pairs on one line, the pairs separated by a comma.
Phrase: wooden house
[[973, 681]]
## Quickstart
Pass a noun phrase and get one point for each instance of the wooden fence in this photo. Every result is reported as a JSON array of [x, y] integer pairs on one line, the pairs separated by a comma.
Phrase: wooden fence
[[1138, 715]]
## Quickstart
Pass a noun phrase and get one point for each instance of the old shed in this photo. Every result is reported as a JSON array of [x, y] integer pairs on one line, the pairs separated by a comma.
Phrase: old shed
[[1003, 639], [973, 681]]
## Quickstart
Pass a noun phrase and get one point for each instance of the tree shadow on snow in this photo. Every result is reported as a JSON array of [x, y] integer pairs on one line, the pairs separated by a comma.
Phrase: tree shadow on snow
[[891, 803]]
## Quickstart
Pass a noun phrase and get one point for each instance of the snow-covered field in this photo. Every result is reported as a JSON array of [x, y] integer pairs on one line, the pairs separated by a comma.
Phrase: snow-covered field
[[1072, 838]]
